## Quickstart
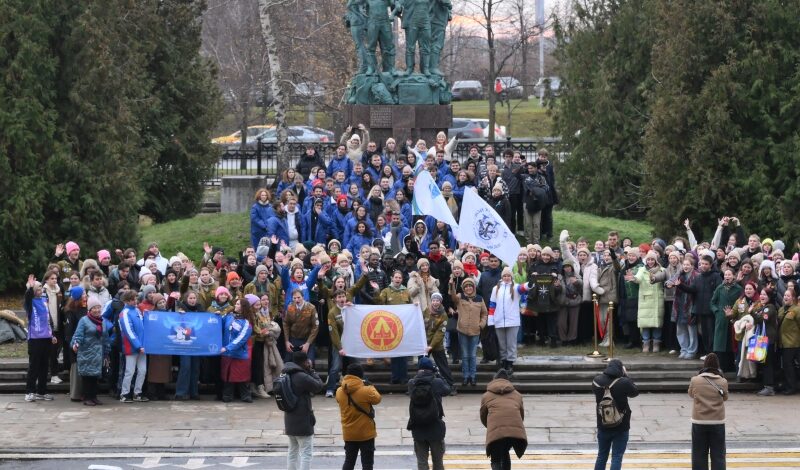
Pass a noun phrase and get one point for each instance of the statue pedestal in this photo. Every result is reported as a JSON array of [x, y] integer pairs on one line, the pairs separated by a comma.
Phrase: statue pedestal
[[418, 121]]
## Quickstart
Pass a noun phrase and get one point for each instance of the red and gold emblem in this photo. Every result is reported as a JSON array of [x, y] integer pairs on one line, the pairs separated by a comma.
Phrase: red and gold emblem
[[381, 330]]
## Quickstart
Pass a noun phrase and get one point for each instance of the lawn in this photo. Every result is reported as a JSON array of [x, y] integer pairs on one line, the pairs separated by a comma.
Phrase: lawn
[[528, 119], [232, 231]]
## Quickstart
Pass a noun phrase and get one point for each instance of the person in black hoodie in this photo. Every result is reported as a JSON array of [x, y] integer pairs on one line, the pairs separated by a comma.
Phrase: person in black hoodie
[[616, 439], [299, 423], [309, 160], [488, 280], [703, 289], [428, 437]]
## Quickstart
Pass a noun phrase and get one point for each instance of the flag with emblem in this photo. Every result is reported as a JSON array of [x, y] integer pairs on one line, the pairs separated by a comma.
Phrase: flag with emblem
[[378, 331], [428, 200], [482, 226]]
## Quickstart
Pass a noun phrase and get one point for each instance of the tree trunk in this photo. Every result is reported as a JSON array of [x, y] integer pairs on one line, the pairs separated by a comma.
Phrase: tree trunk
[[245, 109], [276, 82], [492, 71], [526, 78]]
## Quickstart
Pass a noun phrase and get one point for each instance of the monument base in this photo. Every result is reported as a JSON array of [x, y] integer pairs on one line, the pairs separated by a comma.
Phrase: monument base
[[417, 121]]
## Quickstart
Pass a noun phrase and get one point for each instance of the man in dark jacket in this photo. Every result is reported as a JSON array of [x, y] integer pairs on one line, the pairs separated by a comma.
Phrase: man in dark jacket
[[622, 387], [309, 160], [543, 163], [440, 269], [299, 423], [511, 171], [486, 283], [428, 437], [703, 289]]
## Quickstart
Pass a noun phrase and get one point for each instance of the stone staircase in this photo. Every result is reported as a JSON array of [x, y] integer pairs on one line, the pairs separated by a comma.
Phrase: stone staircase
[[532, 374]]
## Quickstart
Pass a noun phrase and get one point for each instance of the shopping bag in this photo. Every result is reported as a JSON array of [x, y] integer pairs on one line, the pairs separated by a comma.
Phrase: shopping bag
[[757, 345]]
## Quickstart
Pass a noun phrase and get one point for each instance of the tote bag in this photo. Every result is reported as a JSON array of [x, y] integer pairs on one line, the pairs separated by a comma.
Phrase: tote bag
[[757, 345]]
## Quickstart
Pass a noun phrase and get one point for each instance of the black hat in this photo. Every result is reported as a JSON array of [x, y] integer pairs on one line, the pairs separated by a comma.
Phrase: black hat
[[356, 370], [299, 357]]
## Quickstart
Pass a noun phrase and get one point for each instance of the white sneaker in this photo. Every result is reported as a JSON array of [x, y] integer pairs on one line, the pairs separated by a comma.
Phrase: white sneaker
[[673, 352], [329, 394], [703, 358], [30, 397], [55, 380], [45, 397]]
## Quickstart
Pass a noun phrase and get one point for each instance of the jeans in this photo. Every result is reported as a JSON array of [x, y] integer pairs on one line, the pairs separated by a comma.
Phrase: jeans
[[297, 343], [687, 338], [616, 442], [651, 333], [134, 363], [436, 449], [708, 438], [399, 369], [188, 377], [351, 450], [507, 342], [301, 449], [334, 370], [469, 354]]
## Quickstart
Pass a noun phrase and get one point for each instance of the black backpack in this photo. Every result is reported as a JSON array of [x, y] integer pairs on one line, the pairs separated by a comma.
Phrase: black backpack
[[608, 412], [285, 397], [424, 408]]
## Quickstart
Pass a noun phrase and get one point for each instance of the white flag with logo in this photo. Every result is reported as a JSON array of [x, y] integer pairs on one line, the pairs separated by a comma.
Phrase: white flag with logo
[[482, 226], [377, 331], [428, 200]]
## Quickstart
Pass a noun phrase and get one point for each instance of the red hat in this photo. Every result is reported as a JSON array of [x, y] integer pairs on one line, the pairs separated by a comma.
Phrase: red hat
[[341, 198], [317, 182], [232, 275], [484, 255]]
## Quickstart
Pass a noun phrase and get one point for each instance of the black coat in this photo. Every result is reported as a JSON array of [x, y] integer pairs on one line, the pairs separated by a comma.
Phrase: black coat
[[703, 289], [440, 389], [621, 391], [486, 283], [300, 422], [306, 163]]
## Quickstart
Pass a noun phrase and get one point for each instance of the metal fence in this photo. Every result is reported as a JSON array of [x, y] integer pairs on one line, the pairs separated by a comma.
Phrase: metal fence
[[262, 160]]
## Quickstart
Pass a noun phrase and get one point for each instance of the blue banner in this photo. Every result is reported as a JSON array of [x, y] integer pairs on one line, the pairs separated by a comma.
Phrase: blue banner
[[182, 334]]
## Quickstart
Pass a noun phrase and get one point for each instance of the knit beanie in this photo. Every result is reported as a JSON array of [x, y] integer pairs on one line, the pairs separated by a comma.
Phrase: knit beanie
[[72, 246], [103, 254], [458, 264], [148, 289], [175, 259], [76, 293], [323, 258], [92, 302], [261, 269], [466, 281], [437, 296], [232, 276], [548, 251], [423, 261], [585, 251], [508, 271], [252, 299], [425, 363], [222, 290], [355, 370], [337, 242]]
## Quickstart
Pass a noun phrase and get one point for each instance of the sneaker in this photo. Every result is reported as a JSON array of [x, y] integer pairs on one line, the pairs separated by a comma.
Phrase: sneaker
[[672, 352], [329, 394], [30, 397], [55, 380], [140, 398], [767, 391], [682, 356], [125, 399], [703, 358], [89, 403], [97, 402], [260, 392], [45, 397]]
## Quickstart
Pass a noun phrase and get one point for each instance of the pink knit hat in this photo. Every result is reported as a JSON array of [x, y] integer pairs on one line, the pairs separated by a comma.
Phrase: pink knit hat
[[222, 290], [72, 246], [252, 299], [103, 254]]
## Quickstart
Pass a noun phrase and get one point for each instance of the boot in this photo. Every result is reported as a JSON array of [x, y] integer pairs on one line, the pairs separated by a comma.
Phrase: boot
[[433, 64], [245, 392], [510, 369], [424, 64], [409, 63], [646, 346], [656, 346], [261, 392]]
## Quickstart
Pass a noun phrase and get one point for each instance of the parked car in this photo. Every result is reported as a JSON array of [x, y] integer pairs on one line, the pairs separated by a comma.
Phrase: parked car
[[322, 135], [545, 83], [467, 90], [469, 128], [296, 134], [307, 91], [511, 85], [236, 137]]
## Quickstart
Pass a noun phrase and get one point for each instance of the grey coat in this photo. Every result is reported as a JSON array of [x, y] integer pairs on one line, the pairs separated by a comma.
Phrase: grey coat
[[300, 422], [91, 347]]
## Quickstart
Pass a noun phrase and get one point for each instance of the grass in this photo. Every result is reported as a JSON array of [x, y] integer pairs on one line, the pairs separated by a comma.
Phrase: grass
[[232, 231], [592, 227], [528, 119], [15, 350]]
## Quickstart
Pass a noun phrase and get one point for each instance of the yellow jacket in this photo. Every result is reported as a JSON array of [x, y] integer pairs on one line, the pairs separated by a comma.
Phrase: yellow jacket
[[357, 426]]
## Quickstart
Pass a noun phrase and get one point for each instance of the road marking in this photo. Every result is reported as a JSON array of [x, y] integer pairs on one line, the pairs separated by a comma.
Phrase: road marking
[[150, 462], [239, 462]]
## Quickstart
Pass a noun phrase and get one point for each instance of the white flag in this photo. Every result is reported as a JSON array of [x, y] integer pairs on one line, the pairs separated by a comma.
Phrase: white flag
[[482, 226], [377, 331], [428, 200]]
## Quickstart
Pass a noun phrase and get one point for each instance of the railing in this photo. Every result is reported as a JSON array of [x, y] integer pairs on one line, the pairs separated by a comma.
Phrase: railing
[[262, 158]]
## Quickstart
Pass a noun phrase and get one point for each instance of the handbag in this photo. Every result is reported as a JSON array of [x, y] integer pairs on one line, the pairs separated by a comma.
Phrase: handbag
[[757, 345]]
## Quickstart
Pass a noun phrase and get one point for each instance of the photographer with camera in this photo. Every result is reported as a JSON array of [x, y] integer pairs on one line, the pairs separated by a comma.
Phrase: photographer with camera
[[425, 413], [356, 397], [299, 421]]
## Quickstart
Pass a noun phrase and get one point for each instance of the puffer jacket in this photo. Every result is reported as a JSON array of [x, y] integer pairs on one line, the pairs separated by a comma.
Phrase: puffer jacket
[[502, 412], [357, 426], [472, 313], [92, 346], [504, 305]]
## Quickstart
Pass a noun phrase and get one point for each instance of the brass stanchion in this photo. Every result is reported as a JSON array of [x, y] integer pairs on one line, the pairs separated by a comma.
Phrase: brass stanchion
[[595, 354], [610, 331]]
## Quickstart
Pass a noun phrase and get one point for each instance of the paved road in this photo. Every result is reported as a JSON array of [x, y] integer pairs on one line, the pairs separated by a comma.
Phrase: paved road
[[665, 457]]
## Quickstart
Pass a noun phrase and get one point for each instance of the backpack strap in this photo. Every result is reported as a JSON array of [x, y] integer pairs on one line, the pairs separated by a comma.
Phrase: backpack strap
[[594, 382]]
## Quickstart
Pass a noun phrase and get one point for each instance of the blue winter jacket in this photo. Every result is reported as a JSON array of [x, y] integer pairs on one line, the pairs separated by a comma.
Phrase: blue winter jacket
[[289, 285], [235, 333], [344, 164], [350, 229], [132, 327], [358, 240], [279, 226], [325, 226], [259, 217]]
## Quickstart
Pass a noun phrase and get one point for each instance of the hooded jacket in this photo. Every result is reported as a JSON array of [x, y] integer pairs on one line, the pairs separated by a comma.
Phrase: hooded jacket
[[357, 426], [502, 413], [439, 388], [621, 391], [300, 421]]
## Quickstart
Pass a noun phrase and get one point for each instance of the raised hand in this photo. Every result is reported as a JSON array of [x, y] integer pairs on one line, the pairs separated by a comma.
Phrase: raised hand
[[207, 248], [59, 249], [687, 224], [31, 281]]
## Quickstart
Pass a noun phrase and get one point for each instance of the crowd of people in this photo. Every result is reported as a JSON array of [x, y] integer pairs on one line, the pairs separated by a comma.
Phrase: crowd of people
[[343, 233]]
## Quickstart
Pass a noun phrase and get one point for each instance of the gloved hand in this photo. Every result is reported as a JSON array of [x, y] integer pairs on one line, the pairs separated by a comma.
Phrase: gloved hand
[[564, 236]]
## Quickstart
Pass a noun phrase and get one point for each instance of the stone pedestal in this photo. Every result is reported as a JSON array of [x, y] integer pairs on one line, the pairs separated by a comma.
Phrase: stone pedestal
[[238, 192], [419, 121]]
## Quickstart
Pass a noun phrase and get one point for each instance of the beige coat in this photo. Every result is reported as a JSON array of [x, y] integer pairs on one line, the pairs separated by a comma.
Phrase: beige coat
[[709, 405], [502, 412], [273, 362], [421, 291]]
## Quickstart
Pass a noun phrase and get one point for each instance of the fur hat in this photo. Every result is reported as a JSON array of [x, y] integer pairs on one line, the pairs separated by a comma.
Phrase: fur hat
[[71, 246], [468, 280]]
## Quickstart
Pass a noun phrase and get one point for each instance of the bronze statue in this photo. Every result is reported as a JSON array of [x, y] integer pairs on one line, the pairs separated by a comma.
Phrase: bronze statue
[[355, 18], [441, 13], [379, 31], [416, 17]]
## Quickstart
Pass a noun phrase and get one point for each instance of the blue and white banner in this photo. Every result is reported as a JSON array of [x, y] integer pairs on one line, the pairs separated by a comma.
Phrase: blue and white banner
[[428, 200], [482, 226], [378, 331], [182, 334]]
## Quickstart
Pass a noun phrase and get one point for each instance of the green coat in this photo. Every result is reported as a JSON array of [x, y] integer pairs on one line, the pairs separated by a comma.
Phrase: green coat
[[651, 299], [724, 296]]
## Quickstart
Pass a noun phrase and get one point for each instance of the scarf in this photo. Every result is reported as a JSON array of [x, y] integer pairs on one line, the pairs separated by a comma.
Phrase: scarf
[[471, 269], [435, 258], [98, 324]]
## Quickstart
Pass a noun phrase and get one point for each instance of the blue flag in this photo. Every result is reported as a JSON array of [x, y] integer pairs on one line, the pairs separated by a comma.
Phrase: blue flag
[[182, 334]]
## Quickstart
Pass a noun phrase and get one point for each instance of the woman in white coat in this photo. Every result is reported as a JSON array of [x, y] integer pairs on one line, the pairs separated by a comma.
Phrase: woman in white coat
[[504, 315]]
